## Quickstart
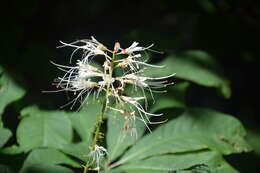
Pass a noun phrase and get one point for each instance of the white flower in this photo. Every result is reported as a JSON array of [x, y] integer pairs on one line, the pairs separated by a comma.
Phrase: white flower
[[134, 64], [134, 48], [77, 78], [129, 124], [87, 71], [90, 47], [147, 82], [121, 68], [143, 114], [81, 84], [97, 154]]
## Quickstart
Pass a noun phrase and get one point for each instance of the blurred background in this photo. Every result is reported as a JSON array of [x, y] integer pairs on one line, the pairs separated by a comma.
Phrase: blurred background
[[228, 30]]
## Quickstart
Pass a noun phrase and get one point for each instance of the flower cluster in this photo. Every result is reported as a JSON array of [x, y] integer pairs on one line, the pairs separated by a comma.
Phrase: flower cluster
[[121, 68], [97, 154], [84, 78]]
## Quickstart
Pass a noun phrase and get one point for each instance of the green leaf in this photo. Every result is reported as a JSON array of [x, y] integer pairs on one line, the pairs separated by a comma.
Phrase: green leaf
[[208, 6], [253, 139], [204, 162], [5, 134], [78, 150], [14, 149], [195, 129], [47, 156], [195, 66], [84, 121], [174, 98], [118, 138], [10, 91], [44, 128], [45, 168]]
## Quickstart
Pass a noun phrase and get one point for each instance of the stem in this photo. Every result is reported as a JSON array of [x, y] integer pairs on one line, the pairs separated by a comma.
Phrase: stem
[[104, 107], [112, 65], [100, 121]]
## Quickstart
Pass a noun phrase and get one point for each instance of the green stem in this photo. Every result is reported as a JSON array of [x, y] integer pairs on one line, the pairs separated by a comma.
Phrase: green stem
[[104, 107], [99, 123]]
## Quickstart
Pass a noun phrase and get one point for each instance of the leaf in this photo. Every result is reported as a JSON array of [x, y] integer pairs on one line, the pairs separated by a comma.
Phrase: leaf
[[5, 134], [14, 149], [10, 91], [253, 139], [195, 129], [46, 128], [174, 98], [118, 139], [47, 156], [204, 162], [45, 168], [78, 150], [208, 6], [84, 121], [195, 66]]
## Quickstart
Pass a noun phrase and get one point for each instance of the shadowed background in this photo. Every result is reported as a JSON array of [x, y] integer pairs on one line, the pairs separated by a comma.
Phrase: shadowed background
[[228, 30]]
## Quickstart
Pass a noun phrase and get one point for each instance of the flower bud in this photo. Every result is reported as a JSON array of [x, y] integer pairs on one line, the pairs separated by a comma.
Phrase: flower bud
[[116, 47]]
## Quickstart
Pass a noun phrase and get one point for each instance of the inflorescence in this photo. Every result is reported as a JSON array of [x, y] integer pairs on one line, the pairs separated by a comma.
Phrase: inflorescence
[[121, 68]]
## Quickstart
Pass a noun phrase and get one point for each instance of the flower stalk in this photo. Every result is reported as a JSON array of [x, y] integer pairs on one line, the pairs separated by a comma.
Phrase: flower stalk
[[85, 79]]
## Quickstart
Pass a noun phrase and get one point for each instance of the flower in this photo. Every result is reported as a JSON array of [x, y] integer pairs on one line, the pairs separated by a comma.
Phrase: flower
[[146, 82], [129, 123], [134, 48], [90, 47], [106, 82], [134, 65], [143, 114], [112, 78], [97, 154], [87, 71], [77, 78], [84, 78]]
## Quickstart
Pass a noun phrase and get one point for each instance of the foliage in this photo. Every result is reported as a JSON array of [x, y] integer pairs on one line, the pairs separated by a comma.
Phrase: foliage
[[193, 141]]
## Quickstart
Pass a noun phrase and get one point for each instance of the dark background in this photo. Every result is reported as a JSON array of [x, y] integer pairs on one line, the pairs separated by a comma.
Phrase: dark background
[[228, 30]]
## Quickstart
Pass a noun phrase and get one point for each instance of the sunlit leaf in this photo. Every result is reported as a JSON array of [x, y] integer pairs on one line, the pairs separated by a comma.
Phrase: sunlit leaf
[[10, 91], [5, 134], [196, 129], [195, 66], [174, 98], [253, 139], [45, 168], [78, 150], [84, 121], [14, 149], [118, 138], [43, 128], [199, 162], [46, 160], [47, 157]]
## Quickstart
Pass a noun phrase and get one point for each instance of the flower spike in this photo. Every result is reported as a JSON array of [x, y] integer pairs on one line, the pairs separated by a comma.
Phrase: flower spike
[[119, 68]]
